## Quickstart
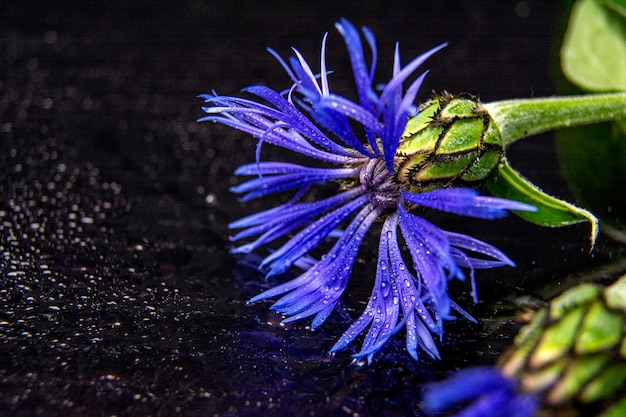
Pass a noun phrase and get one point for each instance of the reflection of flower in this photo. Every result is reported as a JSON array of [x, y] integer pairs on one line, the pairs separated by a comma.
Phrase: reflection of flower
[[317, 123], [485, 391]]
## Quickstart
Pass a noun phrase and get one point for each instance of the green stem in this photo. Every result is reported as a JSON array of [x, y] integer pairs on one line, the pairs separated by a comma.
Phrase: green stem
[[525, 117]]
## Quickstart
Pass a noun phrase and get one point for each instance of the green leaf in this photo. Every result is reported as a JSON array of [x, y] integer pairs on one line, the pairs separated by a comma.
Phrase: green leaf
[[593, 158], [593, 55], [618, 5], [551, 212]]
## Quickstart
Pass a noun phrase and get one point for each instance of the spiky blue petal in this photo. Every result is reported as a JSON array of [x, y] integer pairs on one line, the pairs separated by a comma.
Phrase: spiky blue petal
[[318, 289], [279, 221], [309, 237], [395, 289], [466, 202], [484, 391], [269, 125], [431, 255], [276, 177]]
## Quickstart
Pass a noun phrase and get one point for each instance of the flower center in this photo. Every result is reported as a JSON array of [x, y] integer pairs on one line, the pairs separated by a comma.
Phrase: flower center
[[378, 182]]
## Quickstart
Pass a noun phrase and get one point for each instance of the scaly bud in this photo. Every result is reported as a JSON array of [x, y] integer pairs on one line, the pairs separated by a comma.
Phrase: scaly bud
[[451, 142], [573, 352]]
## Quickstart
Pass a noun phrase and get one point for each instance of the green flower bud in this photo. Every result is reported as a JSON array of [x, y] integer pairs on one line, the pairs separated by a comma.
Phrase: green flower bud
[[451, 142], [573, 351]]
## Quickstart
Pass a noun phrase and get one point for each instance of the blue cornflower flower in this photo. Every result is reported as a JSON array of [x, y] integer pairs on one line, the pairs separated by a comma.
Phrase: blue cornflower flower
[[484, 391], [310, 120]]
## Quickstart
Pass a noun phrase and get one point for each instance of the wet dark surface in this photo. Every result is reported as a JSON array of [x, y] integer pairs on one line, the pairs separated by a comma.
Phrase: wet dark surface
[[118, 295]]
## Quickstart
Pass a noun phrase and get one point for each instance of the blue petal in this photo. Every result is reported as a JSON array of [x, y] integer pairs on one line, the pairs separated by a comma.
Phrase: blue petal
[[303, 125], [289, 213], [352, 110], [382, 309], [362, 77], [285, 129], [394, 289], [466, 202], [309, 237], [484, 391], [464, 386], [394, 107], [281, 177], [431, 255], [303, 72], [338, 124], [523, 406], [418, 326], [318, 289], [478, 246], [395, 121], [266, 237], [306, 84], [494, 404]]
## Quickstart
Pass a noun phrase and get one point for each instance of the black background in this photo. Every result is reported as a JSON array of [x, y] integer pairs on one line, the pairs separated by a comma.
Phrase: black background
[[118, 295]]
